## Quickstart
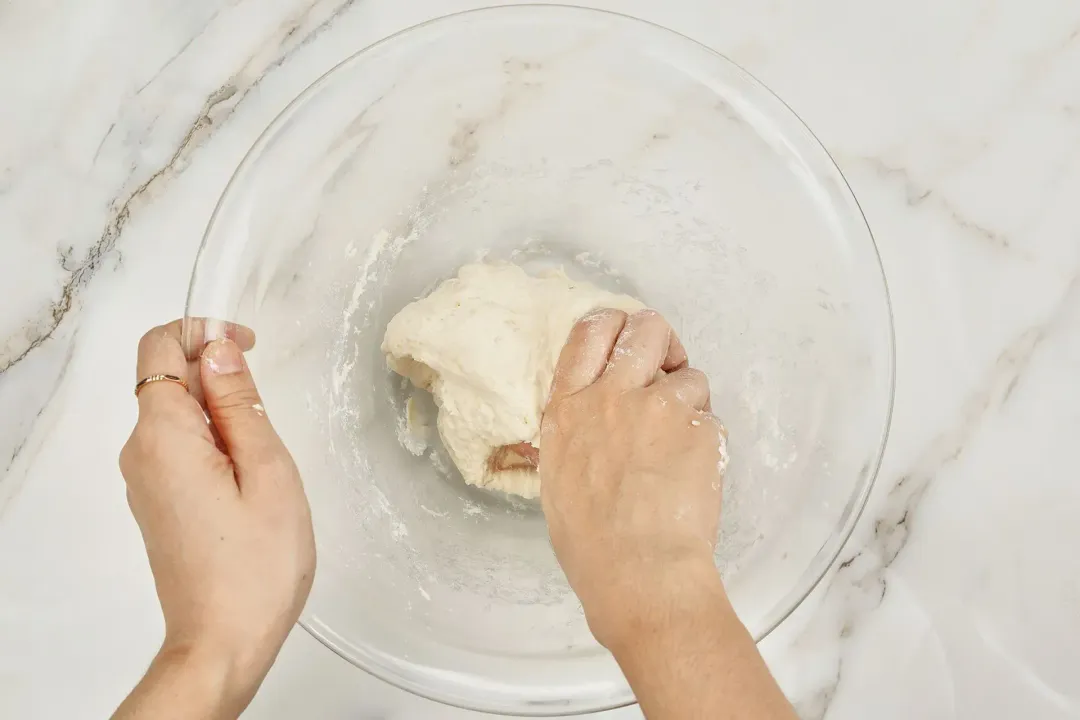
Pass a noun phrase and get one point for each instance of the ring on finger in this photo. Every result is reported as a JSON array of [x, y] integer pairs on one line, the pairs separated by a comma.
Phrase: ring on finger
[[160, 378]]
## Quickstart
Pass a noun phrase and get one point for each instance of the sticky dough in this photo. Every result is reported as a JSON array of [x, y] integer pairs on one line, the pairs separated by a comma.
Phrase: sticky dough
[[485, 344]]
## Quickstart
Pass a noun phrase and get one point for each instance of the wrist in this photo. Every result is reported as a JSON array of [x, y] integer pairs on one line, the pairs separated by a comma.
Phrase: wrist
[[211, 673], [674, 594]]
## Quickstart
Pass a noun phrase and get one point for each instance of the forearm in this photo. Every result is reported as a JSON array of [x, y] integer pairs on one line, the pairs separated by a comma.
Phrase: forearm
[[687, 656], [187, 683]]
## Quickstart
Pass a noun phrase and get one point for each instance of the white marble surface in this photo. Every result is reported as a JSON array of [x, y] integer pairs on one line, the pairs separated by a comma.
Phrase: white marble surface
[[958, 126]]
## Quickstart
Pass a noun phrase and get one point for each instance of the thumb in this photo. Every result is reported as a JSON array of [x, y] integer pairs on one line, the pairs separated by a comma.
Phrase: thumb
[[236, 408]]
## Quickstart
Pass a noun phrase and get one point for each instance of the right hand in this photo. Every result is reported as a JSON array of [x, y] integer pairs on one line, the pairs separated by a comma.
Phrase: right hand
[[631, 464]]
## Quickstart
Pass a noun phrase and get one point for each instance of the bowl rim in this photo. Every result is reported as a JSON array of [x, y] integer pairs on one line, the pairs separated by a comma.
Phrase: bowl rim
[[825, 558]]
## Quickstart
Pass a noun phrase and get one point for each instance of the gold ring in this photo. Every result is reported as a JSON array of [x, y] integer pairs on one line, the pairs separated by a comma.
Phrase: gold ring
[[158, 378]]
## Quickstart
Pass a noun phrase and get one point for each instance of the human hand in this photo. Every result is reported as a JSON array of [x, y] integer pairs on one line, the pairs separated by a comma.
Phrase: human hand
[[631, 464], [221, 508]]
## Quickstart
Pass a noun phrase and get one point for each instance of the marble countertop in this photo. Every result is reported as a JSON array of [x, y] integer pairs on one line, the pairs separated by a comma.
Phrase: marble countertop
[[958, 127]]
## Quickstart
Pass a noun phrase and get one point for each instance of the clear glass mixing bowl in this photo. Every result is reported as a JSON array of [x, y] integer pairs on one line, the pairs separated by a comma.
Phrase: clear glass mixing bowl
[[629, 155]]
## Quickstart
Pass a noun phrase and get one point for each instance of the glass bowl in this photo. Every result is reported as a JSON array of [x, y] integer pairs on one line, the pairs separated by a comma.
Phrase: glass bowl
[[550, 136]]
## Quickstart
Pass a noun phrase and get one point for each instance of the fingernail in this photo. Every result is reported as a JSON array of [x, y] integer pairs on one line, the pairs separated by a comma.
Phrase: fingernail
[[223, 357]]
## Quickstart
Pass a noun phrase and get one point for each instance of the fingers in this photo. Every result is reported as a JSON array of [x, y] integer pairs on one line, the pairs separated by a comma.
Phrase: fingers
[[196, 333], [161, 353], [688, 385], [646, 345], [586, 352], [237, 412]]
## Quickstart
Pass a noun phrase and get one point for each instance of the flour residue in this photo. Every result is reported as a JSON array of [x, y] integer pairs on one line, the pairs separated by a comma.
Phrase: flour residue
[[414, 427]]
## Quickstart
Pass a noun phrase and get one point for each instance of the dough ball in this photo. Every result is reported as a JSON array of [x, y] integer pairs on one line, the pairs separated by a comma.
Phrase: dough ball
[[485, 344]]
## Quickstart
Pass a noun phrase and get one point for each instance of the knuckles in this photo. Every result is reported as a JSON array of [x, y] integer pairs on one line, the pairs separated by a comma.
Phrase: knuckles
[[151, 443], [649, 315], [127, 457], [696, 376], [660, 405], [143, 445]]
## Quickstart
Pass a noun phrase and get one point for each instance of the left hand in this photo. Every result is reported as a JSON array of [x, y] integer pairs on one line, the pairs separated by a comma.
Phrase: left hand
[[221, 508]]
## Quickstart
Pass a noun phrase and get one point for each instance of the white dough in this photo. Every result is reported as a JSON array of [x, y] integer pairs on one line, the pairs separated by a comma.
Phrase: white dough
[[485, 344]]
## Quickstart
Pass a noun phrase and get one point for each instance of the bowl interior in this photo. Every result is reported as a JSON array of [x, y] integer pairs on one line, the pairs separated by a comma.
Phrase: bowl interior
[[549, 136]]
